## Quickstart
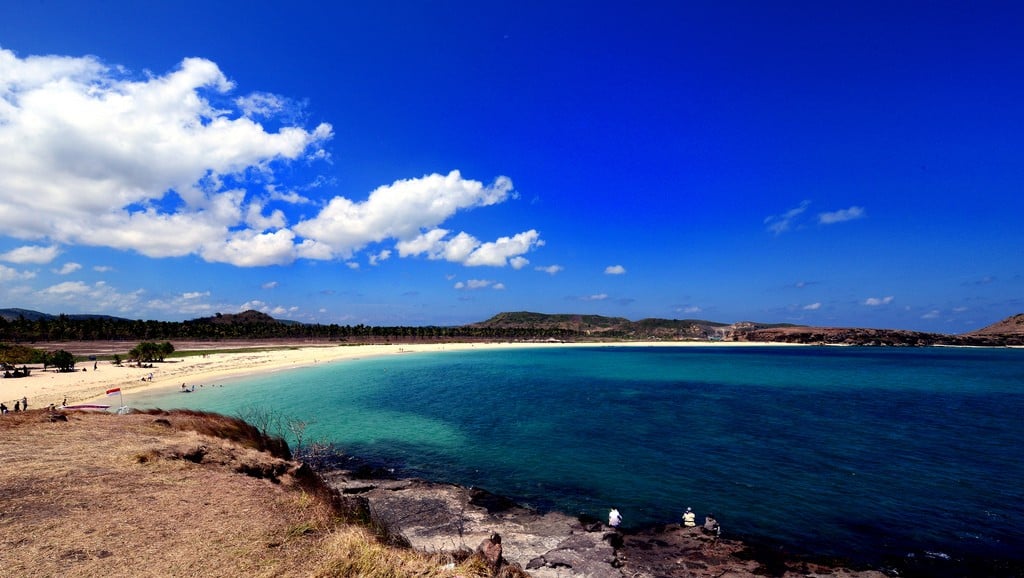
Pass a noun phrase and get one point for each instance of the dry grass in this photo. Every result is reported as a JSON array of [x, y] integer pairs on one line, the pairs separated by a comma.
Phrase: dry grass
[[150, 495]]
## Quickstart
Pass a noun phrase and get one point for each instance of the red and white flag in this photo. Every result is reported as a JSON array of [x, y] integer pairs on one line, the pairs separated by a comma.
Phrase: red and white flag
[[114, 391]]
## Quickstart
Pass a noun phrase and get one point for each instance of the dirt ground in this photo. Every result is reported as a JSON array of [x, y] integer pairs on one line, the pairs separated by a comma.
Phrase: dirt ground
[[110, 495]]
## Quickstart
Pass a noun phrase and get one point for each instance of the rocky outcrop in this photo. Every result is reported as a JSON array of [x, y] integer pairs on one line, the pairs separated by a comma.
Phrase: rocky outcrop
[[444, 517], [867, 337]]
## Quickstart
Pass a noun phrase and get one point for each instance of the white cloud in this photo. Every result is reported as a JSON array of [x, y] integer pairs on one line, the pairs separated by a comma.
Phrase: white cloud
[[103, 159], [781, 223], [250, 248], [31, 254], [841, 215], [68, 268], [261, 104], [615, 270], [474, 284], [290, 197], [102, 268], [280, 310], [597, 297], [194, 295], [148, 163], [66, 288], [383, 255], [812, 307], [497, 253], [254, 305], [269, 285], [689, 309], [79, 296], [8, 274], [466, 249], [550, 269], [933, 314], [401, 210], [876, 301]]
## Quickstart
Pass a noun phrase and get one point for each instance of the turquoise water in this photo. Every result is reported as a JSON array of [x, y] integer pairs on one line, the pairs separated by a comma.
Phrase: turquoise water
[[866, 453]]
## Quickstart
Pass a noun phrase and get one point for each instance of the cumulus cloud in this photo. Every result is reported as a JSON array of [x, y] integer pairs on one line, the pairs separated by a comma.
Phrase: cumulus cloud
[[690, 309], [31, 254], [812, 307], [467, 250], [176, 164], [615, 270], [876, 301], [781, 223], [401, 210], [195, 295], [103, 159], [841, 215], [68, 268], [597, 297], [269, 285], [933, 314], [550, 269]]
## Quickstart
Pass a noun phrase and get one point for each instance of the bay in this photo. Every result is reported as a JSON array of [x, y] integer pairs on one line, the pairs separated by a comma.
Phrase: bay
[[864, 453]]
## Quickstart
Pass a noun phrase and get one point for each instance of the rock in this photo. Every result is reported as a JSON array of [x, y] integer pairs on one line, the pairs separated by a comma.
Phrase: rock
[[444, 517], [490, 549], [436, 517]]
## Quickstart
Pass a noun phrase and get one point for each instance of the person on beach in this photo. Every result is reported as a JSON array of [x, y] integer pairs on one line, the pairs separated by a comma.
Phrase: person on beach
[[3, 409], [24, 403], [614, 518], [689, 518], [17, 405]]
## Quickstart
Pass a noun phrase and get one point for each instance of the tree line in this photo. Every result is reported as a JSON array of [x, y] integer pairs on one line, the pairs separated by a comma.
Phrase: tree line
[[64, 328], [11, 356]]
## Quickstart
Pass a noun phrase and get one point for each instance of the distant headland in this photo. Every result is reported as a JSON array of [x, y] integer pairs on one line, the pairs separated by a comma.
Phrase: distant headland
[[27, 326]]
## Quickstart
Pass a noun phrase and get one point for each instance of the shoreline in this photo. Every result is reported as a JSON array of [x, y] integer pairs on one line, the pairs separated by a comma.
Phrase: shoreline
[[89, 384]]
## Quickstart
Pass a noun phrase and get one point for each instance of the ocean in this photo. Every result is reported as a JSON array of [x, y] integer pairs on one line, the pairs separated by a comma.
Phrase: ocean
[[867, 454]]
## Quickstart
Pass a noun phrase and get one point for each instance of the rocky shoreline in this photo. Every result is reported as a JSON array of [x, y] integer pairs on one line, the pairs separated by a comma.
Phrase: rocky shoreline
[[438, 517]]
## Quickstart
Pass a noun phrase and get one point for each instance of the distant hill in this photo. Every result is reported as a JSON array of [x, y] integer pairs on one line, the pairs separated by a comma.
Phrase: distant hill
[[249, 317], [24, 325], [1007, 332], [598, 326], [14, 313], [1013, 325]]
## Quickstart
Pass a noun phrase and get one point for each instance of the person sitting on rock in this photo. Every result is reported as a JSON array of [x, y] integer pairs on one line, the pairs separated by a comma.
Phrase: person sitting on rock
[[711, 525], [689, 518], [614, 518]]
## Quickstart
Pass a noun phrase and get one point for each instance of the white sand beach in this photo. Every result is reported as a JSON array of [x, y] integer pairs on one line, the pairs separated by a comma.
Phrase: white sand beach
[[42, 388]]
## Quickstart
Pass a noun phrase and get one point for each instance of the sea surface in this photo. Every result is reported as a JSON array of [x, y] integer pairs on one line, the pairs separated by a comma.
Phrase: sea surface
[[870, 454]]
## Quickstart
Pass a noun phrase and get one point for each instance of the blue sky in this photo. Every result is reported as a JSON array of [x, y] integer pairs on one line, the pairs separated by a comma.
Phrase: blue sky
[[822, 163]]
